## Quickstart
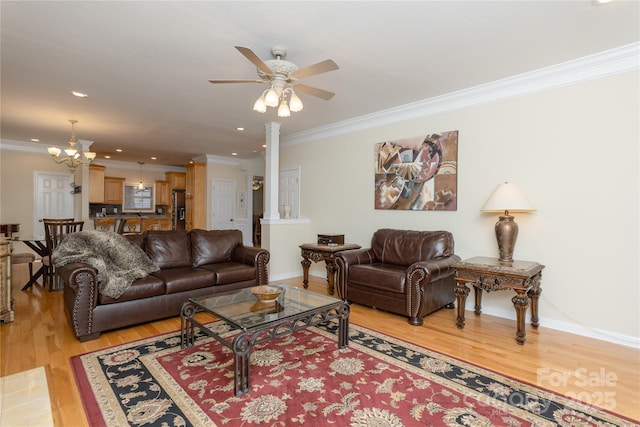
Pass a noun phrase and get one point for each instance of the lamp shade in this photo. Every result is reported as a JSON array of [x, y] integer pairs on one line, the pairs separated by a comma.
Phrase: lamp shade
[[507, 197]]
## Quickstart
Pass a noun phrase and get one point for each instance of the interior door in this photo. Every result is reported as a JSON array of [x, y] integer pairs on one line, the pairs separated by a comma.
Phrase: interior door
[[289, 192], [53, 198], [223, 200]]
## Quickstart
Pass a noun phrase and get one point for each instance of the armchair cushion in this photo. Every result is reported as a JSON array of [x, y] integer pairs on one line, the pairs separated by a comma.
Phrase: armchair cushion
[[405, 247], [384, 277]]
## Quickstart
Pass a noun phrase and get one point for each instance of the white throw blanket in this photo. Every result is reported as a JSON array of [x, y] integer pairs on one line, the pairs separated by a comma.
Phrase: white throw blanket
[[118, 261]]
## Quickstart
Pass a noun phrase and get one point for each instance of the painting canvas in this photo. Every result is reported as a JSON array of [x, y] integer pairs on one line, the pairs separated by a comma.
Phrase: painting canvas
[[417, 173]]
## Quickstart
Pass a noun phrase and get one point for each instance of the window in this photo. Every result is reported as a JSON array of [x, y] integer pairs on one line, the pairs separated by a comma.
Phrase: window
[[137, 200]]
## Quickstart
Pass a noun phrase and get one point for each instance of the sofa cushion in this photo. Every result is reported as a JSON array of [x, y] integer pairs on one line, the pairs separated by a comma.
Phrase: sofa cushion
[[213, 246], [136, 239], [168, 249], [230, 272], [385, 277], [182, 279], [405, 247], [142, 288]]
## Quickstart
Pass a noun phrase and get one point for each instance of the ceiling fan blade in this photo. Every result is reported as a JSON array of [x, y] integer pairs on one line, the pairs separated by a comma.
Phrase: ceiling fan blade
[[248, 53], [236, 81], [312, 70], [309, 90]]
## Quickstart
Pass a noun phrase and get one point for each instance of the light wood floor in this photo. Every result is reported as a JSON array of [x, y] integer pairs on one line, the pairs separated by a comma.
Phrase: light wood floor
[[596, 371]]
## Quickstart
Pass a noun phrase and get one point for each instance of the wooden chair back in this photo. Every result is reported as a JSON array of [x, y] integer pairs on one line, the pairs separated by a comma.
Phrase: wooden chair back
[[56, 229], [105, 224]]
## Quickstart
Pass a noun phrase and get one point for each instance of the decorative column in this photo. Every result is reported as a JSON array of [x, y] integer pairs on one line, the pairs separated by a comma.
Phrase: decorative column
[[81, 201], [272, 170]]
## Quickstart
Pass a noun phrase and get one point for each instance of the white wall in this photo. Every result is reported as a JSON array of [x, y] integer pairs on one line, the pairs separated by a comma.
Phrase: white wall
[[572, 150]]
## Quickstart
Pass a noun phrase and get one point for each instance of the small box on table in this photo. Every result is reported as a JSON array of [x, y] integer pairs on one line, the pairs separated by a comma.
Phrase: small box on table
[[331, 239]]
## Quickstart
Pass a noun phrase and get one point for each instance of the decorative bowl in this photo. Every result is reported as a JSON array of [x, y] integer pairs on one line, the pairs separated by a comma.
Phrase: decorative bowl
[[266, 292]]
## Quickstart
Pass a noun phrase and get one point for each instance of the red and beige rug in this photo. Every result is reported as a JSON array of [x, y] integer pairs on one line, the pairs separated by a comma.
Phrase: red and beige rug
[[304, 379]]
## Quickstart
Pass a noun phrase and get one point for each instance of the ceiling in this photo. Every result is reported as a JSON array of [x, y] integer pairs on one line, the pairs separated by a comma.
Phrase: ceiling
[[145, 65]]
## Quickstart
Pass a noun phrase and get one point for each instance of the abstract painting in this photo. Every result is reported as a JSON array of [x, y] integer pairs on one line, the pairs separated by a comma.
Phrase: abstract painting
[[417, 173]]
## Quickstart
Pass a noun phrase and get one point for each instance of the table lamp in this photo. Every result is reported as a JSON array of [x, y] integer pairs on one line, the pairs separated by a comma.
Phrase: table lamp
[[506, 197]]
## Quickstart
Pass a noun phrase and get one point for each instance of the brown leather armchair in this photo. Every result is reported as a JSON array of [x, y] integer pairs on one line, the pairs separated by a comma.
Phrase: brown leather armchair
[[405, 272]]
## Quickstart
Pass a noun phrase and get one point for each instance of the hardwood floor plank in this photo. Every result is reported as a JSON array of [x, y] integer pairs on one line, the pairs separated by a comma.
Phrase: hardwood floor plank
[[41, 336]]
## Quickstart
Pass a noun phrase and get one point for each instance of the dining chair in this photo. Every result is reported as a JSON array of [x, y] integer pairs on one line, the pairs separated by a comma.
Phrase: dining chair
[[130, 226], [105, 224], [55, 230]]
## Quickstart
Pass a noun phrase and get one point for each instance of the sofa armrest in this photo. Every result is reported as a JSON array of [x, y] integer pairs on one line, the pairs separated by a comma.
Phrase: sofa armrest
[[435, 269], [256, 257], [420, 275], [80, 296], [357, 256], [346, 258]]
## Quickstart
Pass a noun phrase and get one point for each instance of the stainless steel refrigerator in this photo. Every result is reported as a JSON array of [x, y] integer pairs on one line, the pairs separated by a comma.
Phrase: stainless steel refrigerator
[[177, 213]]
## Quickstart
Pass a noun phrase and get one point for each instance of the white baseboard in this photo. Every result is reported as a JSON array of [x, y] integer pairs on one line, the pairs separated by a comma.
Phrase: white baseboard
[[572, 328]]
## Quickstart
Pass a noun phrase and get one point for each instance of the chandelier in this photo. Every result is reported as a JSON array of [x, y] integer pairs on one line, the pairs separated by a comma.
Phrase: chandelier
[[276, 96], [74, 156]]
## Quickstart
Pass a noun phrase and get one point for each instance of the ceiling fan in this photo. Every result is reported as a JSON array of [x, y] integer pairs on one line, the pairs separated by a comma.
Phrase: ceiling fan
[[282, 77]]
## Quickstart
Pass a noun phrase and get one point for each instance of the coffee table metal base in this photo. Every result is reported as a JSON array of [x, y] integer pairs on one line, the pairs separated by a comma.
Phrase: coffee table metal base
[[243, 341]]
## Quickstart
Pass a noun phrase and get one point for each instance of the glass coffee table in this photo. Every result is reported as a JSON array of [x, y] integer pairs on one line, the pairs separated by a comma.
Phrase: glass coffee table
[[259, 321]]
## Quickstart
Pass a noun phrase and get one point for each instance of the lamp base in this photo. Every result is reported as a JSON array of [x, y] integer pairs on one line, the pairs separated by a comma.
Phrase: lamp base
[[506, 234]]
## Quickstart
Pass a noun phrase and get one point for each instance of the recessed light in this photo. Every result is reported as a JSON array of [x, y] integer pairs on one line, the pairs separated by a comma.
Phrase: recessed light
[[119, 150], [107, 157], [154, 158], [79, 94], [35, 140], [240, 128], [234, 154], [264, 145]]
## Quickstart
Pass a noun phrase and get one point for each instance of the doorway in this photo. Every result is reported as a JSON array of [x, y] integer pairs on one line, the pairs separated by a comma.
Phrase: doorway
[[53, 198]]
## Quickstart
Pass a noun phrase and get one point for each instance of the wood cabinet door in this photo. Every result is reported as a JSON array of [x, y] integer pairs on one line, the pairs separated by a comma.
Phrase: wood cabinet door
[[96, 183], [177, 180], [162, 193], [195, 197], [113, 189]]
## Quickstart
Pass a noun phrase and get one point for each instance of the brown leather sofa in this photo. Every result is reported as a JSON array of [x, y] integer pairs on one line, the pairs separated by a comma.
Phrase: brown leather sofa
[[192, 264], [405, 272]]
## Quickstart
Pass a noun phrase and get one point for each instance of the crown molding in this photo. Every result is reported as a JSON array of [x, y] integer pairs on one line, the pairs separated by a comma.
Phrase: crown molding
[[614, 61], [37, 148]]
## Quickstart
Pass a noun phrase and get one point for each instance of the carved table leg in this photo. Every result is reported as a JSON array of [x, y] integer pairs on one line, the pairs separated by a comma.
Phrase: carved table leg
[[520, 302], [461, 296], [187, 333], [477, 309], [241, 349], [343, 325], [331, 273], [534, 294], [305, 270]]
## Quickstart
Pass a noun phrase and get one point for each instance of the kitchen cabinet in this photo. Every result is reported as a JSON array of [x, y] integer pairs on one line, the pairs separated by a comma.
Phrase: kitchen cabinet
[[177, 180], [162, 193], [96, 183], [195, 197], [113, 190]]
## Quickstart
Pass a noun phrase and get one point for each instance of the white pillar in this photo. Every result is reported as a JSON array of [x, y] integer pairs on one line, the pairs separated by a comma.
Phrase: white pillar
[[272, 170], [81, 203]]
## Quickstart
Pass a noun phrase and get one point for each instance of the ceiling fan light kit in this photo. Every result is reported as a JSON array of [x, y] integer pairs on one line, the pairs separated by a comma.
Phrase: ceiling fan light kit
[[282, 77]]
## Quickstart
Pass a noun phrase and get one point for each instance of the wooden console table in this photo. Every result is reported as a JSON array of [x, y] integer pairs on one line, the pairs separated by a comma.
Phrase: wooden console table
[[316, 252], [489, 274]]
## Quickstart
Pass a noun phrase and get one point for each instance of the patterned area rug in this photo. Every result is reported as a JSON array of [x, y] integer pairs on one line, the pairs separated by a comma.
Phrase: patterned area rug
[[304, 379]]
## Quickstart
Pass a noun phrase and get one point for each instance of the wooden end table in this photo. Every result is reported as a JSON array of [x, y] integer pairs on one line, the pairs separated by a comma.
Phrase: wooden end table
[[489, 274], [317, 252]]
